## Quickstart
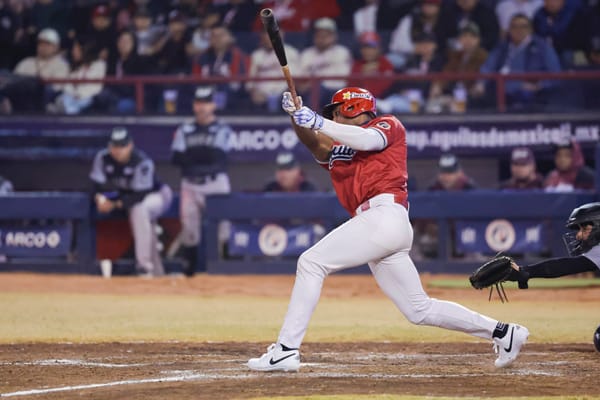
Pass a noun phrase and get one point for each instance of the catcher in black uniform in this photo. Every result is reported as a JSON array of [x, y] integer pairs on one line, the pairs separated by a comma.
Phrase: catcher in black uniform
[[583, 245]]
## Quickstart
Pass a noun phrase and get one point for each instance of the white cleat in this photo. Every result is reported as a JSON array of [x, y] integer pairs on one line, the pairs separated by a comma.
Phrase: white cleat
[[509, 346], [276, 359]]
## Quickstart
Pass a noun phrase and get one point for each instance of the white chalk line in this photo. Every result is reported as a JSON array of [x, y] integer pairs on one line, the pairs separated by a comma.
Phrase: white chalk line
[[242, 372]]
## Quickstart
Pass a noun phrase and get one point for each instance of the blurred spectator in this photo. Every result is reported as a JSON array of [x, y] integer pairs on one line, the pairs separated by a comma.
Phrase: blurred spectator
[[506, 9], [298, 15], [201, 36], [238, 15], [50, 14], [264, 64], [6, 186], [101, 33], [48, 62], [147, 34], [522, 52], [451, 176], [124, 179], [563, 25], [456, 13], [570, 171], [591, 88], [409, 96], [200, 149], [423, 19], [25, 91], [365, 18], [171, 56], [289, 176], [445, 95], [523, 173], [85, 64], [223, 59], [15, 41], [326, 57], [127, 63], [373, 64]]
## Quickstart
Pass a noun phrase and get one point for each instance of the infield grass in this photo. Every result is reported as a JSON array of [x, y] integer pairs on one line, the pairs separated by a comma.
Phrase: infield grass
[[88, 318]]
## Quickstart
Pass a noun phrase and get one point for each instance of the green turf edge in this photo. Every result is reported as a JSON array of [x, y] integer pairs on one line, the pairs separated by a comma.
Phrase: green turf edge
[[558, 283], [403, 397]]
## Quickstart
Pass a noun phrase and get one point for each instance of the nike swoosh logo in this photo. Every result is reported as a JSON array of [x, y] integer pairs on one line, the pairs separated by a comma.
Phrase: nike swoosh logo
[[273, 362], [512, 331]]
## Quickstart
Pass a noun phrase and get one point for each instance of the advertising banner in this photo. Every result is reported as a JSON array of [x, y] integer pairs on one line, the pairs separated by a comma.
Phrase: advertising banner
[[499, 235], [46, 241], [272, 240]]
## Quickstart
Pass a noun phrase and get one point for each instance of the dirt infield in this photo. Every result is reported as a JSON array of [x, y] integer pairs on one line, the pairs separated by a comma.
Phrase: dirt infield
[[178, 370], [216, 370]]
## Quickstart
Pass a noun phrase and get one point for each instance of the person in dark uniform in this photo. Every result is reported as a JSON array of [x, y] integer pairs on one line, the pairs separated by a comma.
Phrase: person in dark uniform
[[200, 149], [6, 186], [583, 245], [289, 176], [124, 179]]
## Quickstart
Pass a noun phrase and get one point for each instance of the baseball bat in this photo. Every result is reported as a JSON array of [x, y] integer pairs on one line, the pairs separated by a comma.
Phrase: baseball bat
[[272, 29]]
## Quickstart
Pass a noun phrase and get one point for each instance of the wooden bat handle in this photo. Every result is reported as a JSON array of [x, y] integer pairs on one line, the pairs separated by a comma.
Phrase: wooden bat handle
[[291, 86]]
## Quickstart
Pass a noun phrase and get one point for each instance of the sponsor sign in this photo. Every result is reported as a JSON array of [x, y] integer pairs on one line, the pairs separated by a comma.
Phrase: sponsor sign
[[499, 235], [47, 241], [272, 240]]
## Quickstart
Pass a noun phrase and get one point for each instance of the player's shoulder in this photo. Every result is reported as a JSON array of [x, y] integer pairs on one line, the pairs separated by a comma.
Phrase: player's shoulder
[[386, 122], [187, 127], [139, 157], [102, 155]]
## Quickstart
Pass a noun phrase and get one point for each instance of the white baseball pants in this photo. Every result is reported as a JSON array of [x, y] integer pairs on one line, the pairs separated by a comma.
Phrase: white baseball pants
[[142, 218], [380, 236]]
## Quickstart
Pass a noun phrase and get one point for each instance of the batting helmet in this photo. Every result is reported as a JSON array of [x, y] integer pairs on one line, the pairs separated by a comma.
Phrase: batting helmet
[[353, 101], [587, 214]]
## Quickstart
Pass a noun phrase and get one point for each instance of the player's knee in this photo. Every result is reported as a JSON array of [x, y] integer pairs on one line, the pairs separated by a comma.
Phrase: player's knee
[[419, 311], [308, 264]]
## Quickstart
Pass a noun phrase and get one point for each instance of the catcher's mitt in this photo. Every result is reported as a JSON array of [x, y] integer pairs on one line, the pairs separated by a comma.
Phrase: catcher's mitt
[[493, 273]]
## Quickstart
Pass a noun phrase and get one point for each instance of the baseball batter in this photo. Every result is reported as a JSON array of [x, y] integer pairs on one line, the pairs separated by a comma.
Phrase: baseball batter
[[200, 149], [124, 179], [366, 158]]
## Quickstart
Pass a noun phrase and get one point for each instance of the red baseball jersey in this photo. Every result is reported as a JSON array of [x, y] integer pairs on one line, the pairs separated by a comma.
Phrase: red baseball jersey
[[360, 175]]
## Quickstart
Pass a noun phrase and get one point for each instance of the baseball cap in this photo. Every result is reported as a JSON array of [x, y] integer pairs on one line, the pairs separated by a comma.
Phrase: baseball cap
[[176, 16], [49, 35], [471, 28], [101, 11], [448, 163], [521, 156], [326, 24], [286, 161], [204, 93], [120, 137], [370, 39]]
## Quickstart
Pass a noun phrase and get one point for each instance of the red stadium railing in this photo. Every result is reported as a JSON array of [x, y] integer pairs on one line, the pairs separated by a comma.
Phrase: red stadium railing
[[139, 82]]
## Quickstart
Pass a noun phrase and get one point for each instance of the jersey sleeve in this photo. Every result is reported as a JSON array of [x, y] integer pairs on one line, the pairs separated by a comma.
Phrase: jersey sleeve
[[143, 178], [97, 173], [388, 127], [594, 255]]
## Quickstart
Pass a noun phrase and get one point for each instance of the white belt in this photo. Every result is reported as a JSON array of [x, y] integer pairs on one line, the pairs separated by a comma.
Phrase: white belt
[[384, 198]]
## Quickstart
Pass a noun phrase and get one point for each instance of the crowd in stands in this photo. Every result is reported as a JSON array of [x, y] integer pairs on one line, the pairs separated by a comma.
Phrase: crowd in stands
[[90, 39]]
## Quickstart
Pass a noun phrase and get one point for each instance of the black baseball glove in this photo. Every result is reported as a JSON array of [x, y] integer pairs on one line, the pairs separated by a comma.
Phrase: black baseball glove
[[492, 274]]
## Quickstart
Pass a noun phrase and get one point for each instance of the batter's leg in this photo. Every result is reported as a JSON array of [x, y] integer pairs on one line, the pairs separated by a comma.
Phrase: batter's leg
[[354, 243], [398, 278]]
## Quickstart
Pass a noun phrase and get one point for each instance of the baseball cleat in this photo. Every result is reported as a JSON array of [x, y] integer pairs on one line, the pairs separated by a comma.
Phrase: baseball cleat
[[509, 346], [276, 359]]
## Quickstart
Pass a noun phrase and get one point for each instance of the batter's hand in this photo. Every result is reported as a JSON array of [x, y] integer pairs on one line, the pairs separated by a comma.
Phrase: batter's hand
[[287, 103], [307, 118]]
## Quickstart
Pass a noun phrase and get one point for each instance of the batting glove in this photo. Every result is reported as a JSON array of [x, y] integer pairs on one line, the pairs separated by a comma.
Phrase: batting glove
[[287, 103], [307, 118]]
